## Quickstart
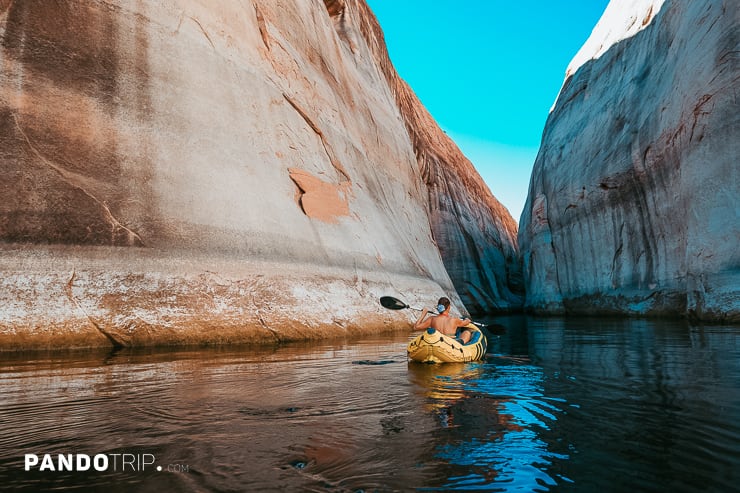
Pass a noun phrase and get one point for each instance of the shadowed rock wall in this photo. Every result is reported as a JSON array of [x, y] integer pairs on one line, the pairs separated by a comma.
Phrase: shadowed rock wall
[[476, 235], [633, 202]]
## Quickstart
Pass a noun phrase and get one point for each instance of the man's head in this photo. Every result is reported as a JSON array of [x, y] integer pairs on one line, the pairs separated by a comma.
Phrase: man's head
[[443, 304]]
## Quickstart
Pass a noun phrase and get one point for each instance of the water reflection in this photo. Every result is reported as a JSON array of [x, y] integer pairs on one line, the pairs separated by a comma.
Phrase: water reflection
[[499, 410], [559, 404], [652, 407], [443, 385]]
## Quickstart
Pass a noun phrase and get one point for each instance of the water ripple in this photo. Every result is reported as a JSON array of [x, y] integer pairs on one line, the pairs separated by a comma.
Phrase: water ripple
[[560, 405]]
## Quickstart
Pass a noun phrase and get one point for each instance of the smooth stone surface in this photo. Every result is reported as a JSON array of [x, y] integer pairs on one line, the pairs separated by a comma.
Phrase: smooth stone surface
[[191, 171], [633, 203]]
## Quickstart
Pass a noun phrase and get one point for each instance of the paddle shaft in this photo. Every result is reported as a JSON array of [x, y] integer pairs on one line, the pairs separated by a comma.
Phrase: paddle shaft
[[435, 313], [395, 304]]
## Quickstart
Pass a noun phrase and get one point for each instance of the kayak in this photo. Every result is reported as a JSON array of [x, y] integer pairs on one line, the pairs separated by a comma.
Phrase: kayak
[[432, 346]]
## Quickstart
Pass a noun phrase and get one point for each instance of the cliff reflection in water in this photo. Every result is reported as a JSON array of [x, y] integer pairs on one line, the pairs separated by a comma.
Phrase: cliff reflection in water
[[590, 404], [558, 405]]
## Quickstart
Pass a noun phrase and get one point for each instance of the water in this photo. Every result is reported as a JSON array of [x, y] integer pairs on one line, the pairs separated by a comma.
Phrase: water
[[583, 405]]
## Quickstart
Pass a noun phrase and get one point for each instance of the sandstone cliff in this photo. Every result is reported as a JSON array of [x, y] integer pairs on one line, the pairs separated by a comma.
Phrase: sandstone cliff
[[633, 201], [476, 235], [209, 172]]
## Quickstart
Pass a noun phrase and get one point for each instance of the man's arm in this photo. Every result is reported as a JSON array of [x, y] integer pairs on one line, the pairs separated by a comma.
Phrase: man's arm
[[463, 323], [421, 323]]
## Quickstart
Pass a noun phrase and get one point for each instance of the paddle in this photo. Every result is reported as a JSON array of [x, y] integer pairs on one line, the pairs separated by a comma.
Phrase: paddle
[[395, 304]]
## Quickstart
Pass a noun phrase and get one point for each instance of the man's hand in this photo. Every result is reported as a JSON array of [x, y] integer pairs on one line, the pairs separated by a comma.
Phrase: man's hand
[[421, 323]]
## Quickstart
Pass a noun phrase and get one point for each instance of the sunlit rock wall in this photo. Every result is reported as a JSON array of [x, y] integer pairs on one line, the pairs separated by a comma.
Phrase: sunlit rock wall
[[204, 172], [633, 202]]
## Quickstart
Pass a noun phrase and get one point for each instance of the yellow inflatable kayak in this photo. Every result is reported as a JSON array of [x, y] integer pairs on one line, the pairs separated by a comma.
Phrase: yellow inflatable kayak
[[432, 346]]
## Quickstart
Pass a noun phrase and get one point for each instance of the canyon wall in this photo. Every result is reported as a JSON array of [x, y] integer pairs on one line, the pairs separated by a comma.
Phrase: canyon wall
[[187, 171], [633, 202], [475, 233]]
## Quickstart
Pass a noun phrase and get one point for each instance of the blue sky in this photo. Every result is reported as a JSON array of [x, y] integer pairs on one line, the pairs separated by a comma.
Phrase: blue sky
[[489, 71]]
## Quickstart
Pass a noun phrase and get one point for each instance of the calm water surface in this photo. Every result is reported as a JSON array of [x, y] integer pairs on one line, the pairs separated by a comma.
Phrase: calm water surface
[[584, 405]]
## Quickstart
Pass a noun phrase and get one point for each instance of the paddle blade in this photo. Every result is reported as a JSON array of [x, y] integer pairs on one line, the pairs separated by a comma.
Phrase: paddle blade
[[392, 303]]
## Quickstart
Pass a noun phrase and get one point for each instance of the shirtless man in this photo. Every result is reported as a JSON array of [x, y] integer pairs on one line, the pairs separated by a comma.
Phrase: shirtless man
[[443, 322]]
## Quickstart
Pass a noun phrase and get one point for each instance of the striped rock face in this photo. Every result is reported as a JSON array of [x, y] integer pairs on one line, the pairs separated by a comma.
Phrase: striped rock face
[[633, 202], [216, 171]]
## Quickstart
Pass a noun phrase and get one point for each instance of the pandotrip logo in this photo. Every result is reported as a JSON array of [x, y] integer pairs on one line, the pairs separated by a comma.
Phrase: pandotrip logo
[[122, 462]]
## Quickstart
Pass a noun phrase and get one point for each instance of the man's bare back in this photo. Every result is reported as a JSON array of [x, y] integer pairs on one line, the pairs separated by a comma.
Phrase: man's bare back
[[446, 324], [443, 322]]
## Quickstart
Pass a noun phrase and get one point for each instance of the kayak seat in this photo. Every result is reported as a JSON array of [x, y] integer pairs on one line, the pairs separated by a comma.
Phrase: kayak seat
[[473, 339]]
